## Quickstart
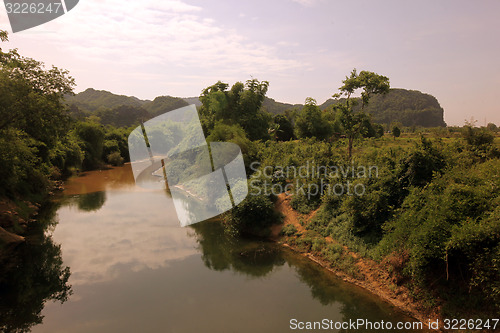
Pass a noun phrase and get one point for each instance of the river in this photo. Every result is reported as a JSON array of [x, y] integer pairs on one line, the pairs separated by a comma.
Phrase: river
[[135, 269]]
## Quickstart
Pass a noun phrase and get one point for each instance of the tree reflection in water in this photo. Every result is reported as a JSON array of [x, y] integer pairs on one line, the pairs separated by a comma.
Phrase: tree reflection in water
[[222, 252], [30, 275], [328, 289], [90, 202], [257, 258]]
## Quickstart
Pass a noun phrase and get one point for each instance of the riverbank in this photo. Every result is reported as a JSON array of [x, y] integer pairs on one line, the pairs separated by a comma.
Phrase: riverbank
[[14, 219], [350, 267]]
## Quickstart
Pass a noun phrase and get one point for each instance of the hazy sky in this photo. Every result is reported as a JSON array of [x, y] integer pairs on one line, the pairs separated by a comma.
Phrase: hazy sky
[[450, 49]]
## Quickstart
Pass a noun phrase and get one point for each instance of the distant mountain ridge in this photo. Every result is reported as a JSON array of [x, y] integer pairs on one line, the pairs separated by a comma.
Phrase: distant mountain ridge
[[408, 107], [92, 99]]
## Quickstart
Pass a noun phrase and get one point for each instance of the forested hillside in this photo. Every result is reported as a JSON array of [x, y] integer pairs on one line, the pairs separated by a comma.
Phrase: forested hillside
[[274, 107], [119, 110], [162, 104], [428, 213], [92, 100], [406, 107]]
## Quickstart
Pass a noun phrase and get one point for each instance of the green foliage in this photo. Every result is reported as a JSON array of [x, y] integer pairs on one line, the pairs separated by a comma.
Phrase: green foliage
[[289, 230], [242, 105], [283, 130], [234, 133], [304, 203], [370, 83], [21, 171], [162, 104], [450, 230], [420, 165], [92, 137], [34, 140], [91, 100], [332, 253], [3, 36], [477, 136], [31, 97], [434, 205], [254, 215], [229, 133], [492, 127], [311, 123], [67, 153], [116, 140], [122, 116], [479, 141], [396, 132], [115, 159], [354, 123], [379, 130]]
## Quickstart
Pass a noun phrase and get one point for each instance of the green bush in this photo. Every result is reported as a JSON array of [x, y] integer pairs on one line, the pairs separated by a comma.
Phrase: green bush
[[21, 170], [318, 244], [115, 159], [450, 230], [254, 215], [289, 230], [302, 204]]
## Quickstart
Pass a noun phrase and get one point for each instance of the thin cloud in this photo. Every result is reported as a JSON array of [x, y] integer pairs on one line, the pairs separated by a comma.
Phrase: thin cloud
[[306, 3], [164, 34]]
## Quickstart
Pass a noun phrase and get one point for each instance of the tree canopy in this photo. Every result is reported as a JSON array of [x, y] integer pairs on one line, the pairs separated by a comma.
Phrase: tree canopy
[[310, 122], [241, 105], [353, 122]]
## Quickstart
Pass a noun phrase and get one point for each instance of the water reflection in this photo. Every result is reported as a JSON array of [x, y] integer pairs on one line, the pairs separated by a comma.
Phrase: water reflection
[[90, 202], [221, 252], [133, 227], [257, 259], [32, 274], [134, 269]]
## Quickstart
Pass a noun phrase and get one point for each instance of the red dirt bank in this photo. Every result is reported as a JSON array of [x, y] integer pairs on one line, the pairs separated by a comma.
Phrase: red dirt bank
[[375, 276]]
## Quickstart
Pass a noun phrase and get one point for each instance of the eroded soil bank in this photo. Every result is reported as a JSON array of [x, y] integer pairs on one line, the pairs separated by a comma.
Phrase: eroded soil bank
[[371, 275]]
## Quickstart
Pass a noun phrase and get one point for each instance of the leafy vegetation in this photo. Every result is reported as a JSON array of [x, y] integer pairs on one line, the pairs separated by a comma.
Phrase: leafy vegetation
[[407, 107], [354, 122], [310, 122], [242, 105], [431, 203], [425, 204], [39, 140], [92, 100], [254, 215]]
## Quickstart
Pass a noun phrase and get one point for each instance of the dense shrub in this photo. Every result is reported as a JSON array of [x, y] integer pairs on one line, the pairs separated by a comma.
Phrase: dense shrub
[[289, 230], [115, 158], [254, 215], [450, 229]]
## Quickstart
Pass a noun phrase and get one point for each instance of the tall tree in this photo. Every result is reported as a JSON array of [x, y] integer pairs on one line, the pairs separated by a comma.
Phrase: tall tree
[[396, 132], [33, 124], [283, 129], [310, 121], [31, 97], [371, 84], [241, 105]]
